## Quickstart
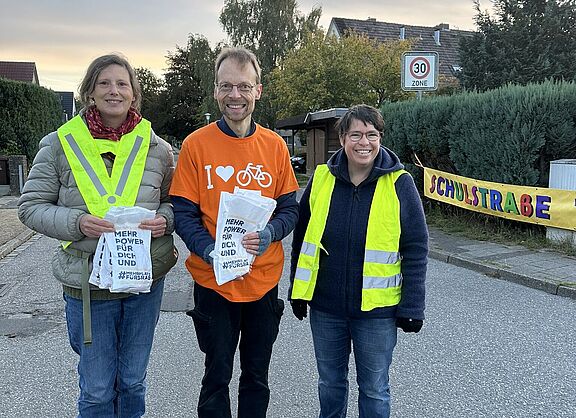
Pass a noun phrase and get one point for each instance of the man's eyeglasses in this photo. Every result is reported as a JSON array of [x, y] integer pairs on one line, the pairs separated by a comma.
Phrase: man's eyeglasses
[[371, 136], [228, 87]]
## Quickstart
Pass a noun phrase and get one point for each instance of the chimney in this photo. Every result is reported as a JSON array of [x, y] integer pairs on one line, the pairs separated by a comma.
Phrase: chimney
[[371, 19], [443, 26], [402, 33], [437, 36]]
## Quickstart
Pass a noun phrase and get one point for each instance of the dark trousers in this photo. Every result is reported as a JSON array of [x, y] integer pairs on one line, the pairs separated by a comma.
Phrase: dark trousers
[[219, 325]]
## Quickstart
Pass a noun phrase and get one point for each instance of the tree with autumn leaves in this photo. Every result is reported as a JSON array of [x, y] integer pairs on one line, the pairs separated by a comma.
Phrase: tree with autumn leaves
[[302, 70], [337, 72]]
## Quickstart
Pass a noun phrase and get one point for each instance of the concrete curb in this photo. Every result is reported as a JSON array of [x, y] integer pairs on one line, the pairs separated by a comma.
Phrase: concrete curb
[[549, 286], [14, 243]]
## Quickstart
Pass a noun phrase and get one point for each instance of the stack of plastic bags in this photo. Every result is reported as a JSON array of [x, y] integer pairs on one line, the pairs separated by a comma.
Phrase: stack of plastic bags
[[239, 213], [122, 260]]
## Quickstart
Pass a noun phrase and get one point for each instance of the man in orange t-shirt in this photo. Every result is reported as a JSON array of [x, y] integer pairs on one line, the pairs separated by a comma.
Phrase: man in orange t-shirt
[[234, 151]]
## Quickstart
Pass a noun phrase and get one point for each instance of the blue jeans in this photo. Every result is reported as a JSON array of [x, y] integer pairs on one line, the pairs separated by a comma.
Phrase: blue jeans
[[373, 340], [113, 368], [219, 325]]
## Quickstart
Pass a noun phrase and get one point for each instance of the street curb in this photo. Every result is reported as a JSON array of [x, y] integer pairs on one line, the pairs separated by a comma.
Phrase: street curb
[[548, 286], [14, 243]]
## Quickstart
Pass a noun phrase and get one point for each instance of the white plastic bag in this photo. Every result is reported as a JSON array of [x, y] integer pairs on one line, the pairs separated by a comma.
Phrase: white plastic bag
[[122, 260], [239, 213]]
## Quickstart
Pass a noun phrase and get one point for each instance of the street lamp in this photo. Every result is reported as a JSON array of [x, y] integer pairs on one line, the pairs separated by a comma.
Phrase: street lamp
[[207, 116]]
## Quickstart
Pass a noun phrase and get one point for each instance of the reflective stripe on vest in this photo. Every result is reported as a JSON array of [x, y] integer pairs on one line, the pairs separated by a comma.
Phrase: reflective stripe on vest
[[309, 258], [99, 189], [382, 279]]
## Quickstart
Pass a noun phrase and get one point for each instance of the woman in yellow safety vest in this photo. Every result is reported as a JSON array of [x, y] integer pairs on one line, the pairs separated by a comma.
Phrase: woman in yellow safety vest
[[106, 156], [359, 257]]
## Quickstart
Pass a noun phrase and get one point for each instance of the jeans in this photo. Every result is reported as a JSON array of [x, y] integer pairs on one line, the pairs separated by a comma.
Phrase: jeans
[[113, 368], [219, 325], [373, 340]]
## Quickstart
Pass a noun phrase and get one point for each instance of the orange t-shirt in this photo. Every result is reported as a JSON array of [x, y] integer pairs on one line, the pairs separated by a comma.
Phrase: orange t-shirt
[[211, 162]]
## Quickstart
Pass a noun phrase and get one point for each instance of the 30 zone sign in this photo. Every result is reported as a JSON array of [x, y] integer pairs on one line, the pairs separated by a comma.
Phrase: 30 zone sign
[[419, 70]]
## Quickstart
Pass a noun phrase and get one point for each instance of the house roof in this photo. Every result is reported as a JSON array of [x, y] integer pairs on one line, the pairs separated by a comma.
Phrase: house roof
[[447, 46], [68, 104], [19, 71], [311, 120]]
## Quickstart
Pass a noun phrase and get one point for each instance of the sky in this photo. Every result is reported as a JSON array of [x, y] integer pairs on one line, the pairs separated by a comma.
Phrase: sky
[[63, 36]]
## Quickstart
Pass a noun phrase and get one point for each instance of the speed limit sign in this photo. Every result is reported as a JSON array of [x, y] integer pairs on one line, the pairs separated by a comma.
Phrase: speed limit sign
[[419, 70]]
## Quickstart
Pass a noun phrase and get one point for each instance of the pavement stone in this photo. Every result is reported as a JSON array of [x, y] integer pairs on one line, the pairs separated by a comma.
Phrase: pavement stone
[[546, 270]]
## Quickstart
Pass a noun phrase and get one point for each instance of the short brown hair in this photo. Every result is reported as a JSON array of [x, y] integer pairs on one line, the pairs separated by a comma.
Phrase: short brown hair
[[97, 66], [242, 56]]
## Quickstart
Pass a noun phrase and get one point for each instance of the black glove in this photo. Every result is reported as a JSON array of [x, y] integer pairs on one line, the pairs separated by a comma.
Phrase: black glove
[[299, 308], [409, 324]]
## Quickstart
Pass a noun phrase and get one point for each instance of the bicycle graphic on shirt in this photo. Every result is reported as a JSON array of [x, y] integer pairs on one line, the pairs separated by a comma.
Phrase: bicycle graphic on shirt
[[252, 171]]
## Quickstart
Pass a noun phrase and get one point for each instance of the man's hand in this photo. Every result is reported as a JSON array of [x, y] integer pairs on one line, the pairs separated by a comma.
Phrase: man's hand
[[157, 226], [256, 243], [93, 227]]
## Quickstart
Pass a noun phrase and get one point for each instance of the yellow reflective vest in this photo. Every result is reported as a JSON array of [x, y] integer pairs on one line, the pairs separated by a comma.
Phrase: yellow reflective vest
[[99, 189], [382, 278]]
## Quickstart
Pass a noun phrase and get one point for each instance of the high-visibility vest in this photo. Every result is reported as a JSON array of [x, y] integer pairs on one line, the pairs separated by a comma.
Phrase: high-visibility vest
[[99, 189], [382, 278]]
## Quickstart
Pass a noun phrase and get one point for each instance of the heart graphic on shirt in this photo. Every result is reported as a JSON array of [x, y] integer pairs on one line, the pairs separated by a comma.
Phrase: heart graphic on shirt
[[225, 172]]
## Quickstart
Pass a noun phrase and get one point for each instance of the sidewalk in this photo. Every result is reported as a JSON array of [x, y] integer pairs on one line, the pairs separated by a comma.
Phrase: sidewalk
[[545, 270], [13, 232]]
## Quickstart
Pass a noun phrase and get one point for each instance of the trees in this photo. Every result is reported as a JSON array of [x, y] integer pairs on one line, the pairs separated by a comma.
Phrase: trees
[[152, 89], [332, 72], [188, 90], [526, 41], [28, 112], [269, 28]]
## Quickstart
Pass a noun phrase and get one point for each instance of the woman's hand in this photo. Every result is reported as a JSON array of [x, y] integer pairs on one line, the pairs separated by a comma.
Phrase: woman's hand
[[157, 226], [93, 227]]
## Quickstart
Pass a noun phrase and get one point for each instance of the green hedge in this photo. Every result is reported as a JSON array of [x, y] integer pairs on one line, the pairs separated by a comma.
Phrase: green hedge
[[28, 112], [506, 135]]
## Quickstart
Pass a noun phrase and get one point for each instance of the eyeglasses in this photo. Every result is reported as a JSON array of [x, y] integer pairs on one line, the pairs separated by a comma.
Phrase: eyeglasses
[[371, 136], [228, 87]]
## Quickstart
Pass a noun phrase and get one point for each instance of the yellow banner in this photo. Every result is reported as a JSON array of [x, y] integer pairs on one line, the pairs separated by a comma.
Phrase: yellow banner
[[538, 205]]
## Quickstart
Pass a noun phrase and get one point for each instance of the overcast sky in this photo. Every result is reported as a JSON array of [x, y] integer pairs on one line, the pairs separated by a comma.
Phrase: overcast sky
[[63, 36]]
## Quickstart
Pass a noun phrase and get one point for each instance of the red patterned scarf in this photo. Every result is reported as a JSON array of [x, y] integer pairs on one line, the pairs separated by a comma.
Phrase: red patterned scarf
[[98, 130]]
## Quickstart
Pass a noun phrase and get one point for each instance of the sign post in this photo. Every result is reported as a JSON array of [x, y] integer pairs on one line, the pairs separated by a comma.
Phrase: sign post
[[419, 71]]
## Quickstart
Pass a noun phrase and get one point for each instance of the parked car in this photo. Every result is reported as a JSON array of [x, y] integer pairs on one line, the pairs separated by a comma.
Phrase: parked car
[[299, 163]]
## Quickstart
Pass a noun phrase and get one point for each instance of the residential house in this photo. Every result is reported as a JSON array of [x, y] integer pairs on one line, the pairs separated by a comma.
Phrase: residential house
[[68, 104], [440, 39], [19, 71], [321, 137], [27, 73]]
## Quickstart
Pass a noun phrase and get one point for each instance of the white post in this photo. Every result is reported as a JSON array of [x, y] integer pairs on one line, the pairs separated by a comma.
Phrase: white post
[[563, 177], [20, 177]]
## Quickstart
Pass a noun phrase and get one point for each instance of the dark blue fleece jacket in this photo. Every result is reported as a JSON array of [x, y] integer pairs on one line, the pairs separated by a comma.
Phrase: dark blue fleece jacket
[[339, 285]]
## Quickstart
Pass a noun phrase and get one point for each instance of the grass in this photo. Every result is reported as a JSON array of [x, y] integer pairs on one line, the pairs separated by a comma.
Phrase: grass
[[489, 228]]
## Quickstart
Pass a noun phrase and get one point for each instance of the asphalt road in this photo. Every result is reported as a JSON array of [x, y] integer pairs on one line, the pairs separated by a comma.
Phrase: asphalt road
[[489, 348]]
